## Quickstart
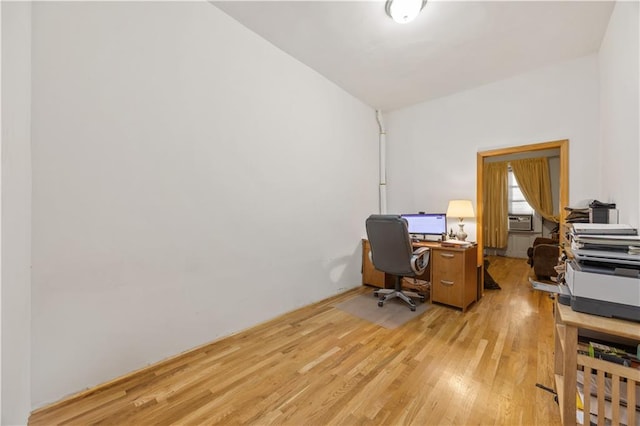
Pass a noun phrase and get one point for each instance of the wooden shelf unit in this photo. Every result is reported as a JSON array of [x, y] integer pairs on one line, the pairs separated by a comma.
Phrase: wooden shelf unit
[[568, 362]]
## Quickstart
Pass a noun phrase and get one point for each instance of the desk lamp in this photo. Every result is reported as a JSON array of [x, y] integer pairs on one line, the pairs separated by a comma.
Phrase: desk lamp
[[460, 209]]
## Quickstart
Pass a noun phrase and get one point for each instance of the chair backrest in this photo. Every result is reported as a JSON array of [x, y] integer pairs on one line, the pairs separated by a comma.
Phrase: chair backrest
[[390, 243]]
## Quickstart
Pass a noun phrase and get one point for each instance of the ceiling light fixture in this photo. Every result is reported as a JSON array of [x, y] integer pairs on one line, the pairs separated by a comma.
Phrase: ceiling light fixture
[[403, 11]]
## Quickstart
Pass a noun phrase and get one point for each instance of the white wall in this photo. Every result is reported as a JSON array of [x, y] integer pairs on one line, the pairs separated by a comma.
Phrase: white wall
[[619, 93], [189, 181], [432, 147], [179, 159], [16, 212]]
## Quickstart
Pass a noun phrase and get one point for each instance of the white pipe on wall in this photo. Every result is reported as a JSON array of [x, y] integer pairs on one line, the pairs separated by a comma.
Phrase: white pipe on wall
[[382, 186]]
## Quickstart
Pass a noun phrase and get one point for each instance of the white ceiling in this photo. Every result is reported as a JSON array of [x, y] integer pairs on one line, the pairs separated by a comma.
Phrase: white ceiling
[[451, 46]]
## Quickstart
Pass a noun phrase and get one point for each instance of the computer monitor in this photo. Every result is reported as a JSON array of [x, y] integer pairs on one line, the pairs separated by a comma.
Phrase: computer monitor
[[426, 223]]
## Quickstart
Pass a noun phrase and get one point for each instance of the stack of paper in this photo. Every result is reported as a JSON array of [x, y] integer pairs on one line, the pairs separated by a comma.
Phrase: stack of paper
[[603, 229], [606, 243], [457, 243]]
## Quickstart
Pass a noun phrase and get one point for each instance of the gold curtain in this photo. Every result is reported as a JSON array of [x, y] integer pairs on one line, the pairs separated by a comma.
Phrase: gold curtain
[[533, 179], [496, 205]]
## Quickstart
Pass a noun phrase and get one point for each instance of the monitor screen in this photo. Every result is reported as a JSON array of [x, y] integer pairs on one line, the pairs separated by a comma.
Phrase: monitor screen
[[427, 224]]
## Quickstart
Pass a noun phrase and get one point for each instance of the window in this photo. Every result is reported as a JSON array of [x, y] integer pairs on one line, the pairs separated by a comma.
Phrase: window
[[517, 203]]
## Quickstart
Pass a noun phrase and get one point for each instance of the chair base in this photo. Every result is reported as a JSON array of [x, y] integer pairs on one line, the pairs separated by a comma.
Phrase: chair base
[[388, 294]]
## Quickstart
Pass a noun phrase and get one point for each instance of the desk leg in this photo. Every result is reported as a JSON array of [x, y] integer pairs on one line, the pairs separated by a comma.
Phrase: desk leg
[[570, 374], [480, 281]]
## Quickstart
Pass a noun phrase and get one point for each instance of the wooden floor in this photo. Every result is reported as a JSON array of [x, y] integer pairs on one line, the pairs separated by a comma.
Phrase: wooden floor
[[322, 366]]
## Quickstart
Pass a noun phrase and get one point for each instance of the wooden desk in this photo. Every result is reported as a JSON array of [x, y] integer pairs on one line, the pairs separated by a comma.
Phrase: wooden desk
[[371, 276], [452, 273]]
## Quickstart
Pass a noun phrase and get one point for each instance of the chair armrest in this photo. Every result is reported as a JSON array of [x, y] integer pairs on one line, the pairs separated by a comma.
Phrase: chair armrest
[[544, 240], [420, 250], [420, 260]]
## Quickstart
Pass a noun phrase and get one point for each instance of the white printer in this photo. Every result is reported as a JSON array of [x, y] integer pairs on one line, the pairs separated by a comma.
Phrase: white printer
[[603, 277], [605, 290]]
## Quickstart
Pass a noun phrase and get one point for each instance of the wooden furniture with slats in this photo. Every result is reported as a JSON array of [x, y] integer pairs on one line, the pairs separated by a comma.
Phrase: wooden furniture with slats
[[617, 403]]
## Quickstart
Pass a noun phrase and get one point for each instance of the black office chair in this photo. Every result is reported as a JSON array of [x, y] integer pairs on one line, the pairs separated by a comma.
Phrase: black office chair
[[392, 253]]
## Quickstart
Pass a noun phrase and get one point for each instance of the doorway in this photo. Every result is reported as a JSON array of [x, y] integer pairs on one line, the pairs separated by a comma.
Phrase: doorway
[[563, 191]]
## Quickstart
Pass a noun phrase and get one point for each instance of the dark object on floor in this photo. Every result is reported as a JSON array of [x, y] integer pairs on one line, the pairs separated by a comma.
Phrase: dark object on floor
[[489, 282], [543, 256], [551, 391]]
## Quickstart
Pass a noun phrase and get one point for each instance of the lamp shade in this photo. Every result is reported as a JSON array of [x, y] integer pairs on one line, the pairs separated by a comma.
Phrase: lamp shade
[[460, 209]]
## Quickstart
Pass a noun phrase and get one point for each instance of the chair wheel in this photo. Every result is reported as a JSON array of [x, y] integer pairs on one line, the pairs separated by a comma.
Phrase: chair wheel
[[413, 308], [380, 303]]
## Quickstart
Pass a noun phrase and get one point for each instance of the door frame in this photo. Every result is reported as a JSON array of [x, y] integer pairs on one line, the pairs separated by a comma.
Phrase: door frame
[[563, 194]]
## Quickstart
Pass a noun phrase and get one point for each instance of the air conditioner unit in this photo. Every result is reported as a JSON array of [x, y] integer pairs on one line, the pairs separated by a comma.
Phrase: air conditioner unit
[[520, 222]]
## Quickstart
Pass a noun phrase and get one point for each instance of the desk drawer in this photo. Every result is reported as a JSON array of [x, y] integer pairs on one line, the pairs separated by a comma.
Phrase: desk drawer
[[454, 277], [447, 277], [448, 263]]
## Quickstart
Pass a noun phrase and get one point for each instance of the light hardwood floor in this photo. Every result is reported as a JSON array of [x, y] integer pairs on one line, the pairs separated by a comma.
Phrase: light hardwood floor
[[321, 366]]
